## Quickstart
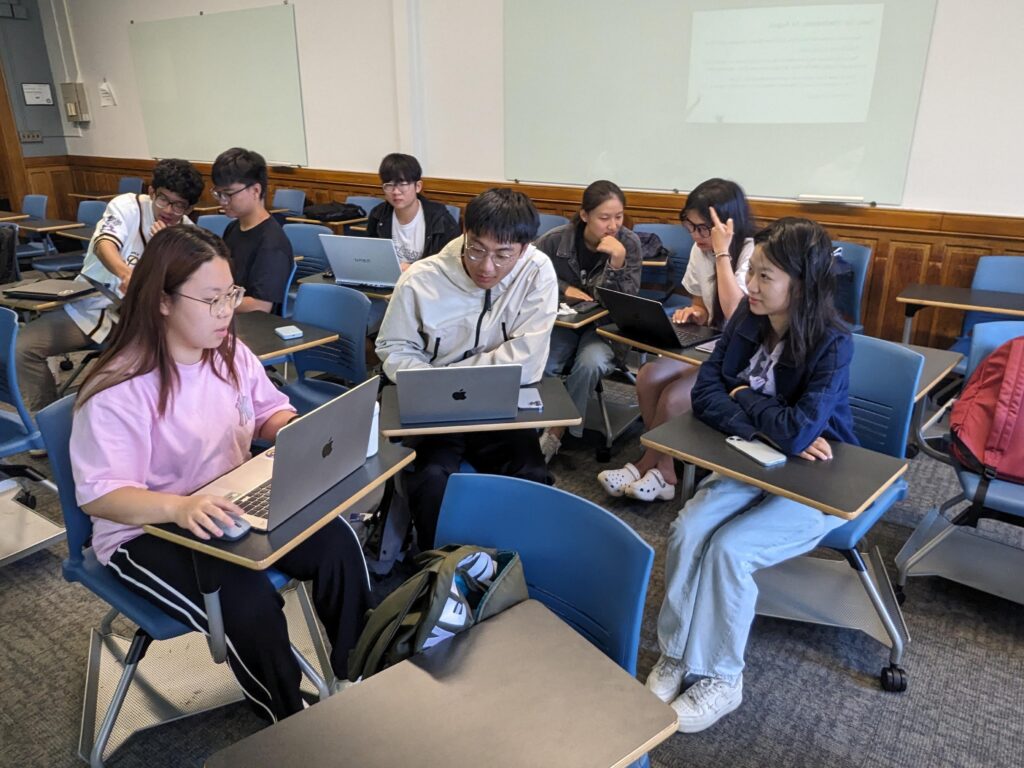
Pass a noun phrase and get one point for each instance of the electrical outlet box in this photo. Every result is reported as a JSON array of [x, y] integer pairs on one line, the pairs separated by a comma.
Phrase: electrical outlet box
[[76, 105], [30, 137]]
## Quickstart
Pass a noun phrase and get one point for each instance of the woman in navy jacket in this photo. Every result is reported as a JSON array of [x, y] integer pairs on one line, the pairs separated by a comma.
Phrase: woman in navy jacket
[[780, 373]]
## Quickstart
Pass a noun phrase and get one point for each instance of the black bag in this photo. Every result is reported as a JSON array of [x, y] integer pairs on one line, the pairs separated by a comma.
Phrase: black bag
[[9, 272], [456, 587], [333, 212], [651, 247]]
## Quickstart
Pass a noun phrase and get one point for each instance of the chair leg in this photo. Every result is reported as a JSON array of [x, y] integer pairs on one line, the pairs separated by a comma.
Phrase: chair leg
[[904, 567], [311, 674], [140, 643], [319, 644]]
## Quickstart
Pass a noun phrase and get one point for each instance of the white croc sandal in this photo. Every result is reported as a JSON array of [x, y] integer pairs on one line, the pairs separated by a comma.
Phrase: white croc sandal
[[614, 481], [651, 487]]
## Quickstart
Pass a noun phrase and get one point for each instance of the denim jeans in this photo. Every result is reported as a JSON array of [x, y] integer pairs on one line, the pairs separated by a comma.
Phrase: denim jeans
[[591, 357], [725, 532]]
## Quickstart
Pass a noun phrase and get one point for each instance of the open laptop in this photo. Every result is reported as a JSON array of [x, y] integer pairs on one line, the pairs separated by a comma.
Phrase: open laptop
[[362, 261], [479, 393], [645, 320], [311, 455], [49, 289]]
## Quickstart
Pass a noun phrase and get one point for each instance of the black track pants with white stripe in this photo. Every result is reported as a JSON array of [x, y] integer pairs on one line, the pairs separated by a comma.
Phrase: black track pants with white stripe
[[257, 635]]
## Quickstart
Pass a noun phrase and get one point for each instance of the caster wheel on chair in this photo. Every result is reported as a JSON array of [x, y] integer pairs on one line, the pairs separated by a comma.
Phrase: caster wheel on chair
[[66, 365], [604, 455], [27, 499], [893, 679]]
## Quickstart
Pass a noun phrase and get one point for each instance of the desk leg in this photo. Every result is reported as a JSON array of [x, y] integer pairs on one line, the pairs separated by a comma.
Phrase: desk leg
[[689, 476], [216, 638], [909, 311]]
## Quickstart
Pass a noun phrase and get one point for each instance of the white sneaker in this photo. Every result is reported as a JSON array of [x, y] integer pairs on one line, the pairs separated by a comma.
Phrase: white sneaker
[[549, 445], [706, 702], [651, 487], [614, 481], [666, 678]]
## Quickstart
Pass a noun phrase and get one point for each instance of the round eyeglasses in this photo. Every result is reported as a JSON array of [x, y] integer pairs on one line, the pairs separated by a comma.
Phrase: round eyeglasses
[[223, 304]]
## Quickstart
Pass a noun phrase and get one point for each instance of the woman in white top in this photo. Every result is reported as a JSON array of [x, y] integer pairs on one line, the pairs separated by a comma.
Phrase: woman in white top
[[718, 217]]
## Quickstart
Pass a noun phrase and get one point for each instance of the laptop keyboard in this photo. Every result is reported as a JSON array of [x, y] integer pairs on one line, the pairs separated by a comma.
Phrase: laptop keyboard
[[257, 501], [687, 337]]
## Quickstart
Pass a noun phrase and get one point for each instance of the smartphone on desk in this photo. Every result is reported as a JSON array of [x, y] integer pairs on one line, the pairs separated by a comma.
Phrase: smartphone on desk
[[760, 452]]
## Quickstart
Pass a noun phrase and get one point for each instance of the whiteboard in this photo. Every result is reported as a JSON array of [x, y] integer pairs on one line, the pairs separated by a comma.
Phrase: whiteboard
[[221, 80], [790, 98]]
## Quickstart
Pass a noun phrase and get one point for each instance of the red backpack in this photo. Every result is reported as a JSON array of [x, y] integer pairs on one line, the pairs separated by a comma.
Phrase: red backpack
[[987, 422]]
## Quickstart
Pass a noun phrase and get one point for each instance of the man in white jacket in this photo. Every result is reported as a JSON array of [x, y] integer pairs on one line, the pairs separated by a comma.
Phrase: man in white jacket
[[488, 298]]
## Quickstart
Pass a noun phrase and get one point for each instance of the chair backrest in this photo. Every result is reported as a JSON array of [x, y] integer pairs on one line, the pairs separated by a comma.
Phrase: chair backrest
[[581, 561], [292, 199], [91, 211], [55, 424], [10, 393], [34, 205], [214, 222], [131, 184], [549, 221], [987, 337], [883, 383], [364, 202], [305, 240], [10, 272], [995, 273], [679, 243], [286, 299], [343, 310], [849, 302], [455, 211]]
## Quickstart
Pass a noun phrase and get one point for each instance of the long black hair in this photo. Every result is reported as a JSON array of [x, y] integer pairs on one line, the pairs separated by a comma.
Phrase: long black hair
[[803, 250], [596, 194]]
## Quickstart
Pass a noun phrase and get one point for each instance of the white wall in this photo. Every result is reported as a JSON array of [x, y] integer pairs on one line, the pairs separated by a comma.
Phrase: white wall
[[425, 76]]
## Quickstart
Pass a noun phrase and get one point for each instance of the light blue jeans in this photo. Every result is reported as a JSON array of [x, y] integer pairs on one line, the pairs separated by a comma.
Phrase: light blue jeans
[[591, 357], [722, 535]]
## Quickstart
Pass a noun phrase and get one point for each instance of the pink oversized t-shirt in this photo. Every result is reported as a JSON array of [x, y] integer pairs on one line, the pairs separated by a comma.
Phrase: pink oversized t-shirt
[[118, 438]]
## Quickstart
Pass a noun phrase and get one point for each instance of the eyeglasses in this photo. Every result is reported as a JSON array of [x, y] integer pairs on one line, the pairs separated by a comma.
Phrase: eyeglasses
[[476, 254], [223, 304], [224, 198], [391, 186], [161, 201], [704, 230]]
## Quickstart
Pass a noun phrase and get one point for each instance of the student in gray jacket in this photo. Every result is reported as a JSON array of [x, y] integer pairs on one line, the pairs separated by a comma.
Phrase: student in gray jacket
[[592, 250], [488, 298]]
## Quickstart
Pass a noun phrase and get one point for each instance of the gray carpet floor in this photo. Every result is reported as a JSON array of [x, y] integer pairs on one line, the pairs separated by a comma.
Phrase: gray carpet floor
[[811, 695]]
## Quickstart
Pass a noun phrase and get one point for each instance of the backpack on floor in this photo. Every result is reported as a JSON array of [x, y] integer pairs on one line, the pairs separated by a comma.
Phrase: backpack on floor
[[456, 587], [987, 423]]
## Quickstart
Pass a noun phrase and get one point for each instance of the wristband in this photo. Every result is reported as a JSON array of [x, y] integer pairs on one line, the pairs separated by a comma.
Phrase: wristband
[[720, 255]]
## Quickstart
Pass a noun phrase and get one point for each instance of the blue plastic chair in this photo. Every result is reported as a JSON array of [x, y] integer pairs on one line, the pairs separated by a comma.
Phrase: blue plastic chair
[[849, 302], [37, 245], [18, 432], [214, 222], [455, 211], [344, 311], [89, 213], [82, 567], [948, 548], [883, 382], [678, 242], [131, 184], [305, 240], [549, 221], [292, 199], [286, 306], [34, 206], [993, 273]]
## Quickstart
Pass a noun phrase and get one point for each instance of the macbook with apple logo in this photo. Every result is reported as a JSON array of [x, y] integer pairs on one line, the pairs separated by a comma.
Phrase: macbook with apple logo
[[456, 393], [312, 454]]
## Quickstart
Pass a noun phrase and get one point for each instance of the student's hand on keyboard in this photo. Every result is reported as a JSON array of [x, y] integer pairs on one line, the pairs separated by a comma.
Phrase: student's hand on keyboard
[[690, 315], [205, 515]]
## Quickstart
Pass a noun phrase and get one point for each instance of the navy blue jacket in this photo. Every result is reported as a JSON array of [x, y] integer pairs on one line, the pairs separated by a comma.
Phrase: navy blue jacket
[[812, 399]]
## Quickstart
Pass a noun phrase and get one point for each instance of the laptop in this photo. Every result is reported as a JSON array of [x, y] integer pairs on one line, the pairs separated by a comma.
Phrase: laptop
[[645, 320], [49, 289], [362, 261], [482, 393], [311, 455]]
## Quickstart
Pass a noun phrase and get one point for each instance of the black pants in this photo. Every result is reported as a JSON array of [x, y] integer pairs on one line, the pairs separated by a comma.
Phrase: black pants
[[514, 453], [259, 653]]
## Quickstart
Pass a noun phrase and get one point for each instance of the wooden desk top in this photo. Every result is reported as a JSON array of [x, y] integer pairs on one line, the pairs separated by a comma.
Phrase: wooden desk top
[[558, 412], [259, 551], [844, 486], [579, 321], [47, 225], [955, 297], [654, 263], [690, 355], [937, 365], [520, 689], [204, 208], [35, 305], [81, 232], [256, 329], [92, 196], [12, 216], [373, 293], [337, 226]]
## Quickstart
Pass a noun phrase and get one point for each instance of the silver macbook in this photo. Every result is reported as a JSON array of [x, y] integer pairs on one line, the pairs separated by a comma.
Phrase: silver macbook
[[311, 455], [51, 288], [369, 261], [483, 393]]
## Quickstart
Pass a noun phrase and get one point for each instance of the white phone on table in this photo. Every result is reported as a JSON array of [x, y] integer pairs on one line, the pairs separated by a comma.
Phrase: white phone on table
[[529, 399], [288, 332], [760, 452]]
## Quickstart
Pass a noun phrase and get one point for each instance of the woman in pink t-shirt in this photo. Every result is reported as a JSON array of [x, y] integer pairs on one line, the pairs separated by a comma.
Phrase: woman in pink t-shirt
[[172, 404]]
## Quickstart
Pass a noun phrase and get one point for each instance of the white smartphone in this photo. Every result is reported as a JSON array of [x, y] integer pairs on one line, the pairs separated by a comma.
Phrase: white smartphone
[[288, 332], [529, 399], [760, 452]]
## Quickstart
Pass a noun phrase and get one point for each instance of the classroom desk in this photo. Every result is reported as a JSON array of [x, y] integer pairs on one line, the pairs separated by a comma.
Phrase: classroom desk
[[105, 196], [34, 305], [82, 233], [12, 216], [558, 412], [690, 355], [654, 263], [577, 320], [844, 486], [206, 208], [520, 689], [256, 330], [384, 294], [45, 226], [337, 226], [916, 297]]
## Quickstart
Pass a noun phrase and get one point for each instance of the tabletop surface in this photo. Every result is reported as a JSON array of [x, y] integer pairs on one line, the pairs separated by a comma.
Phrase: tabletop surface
[[256, 329], [690, 355], [373, 292], [47, 225], [580, 320], [957, 297]]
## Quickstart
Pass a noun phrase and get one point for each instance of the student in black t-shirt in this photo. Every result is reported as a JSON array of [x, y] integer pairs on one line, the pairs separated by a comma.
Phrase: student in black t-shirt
[[261, 255]]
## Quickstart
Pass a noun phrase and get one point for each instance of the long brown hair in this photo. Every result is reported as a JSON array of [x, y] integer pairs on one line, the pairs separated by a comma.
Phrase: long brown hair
[[138, 343]]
